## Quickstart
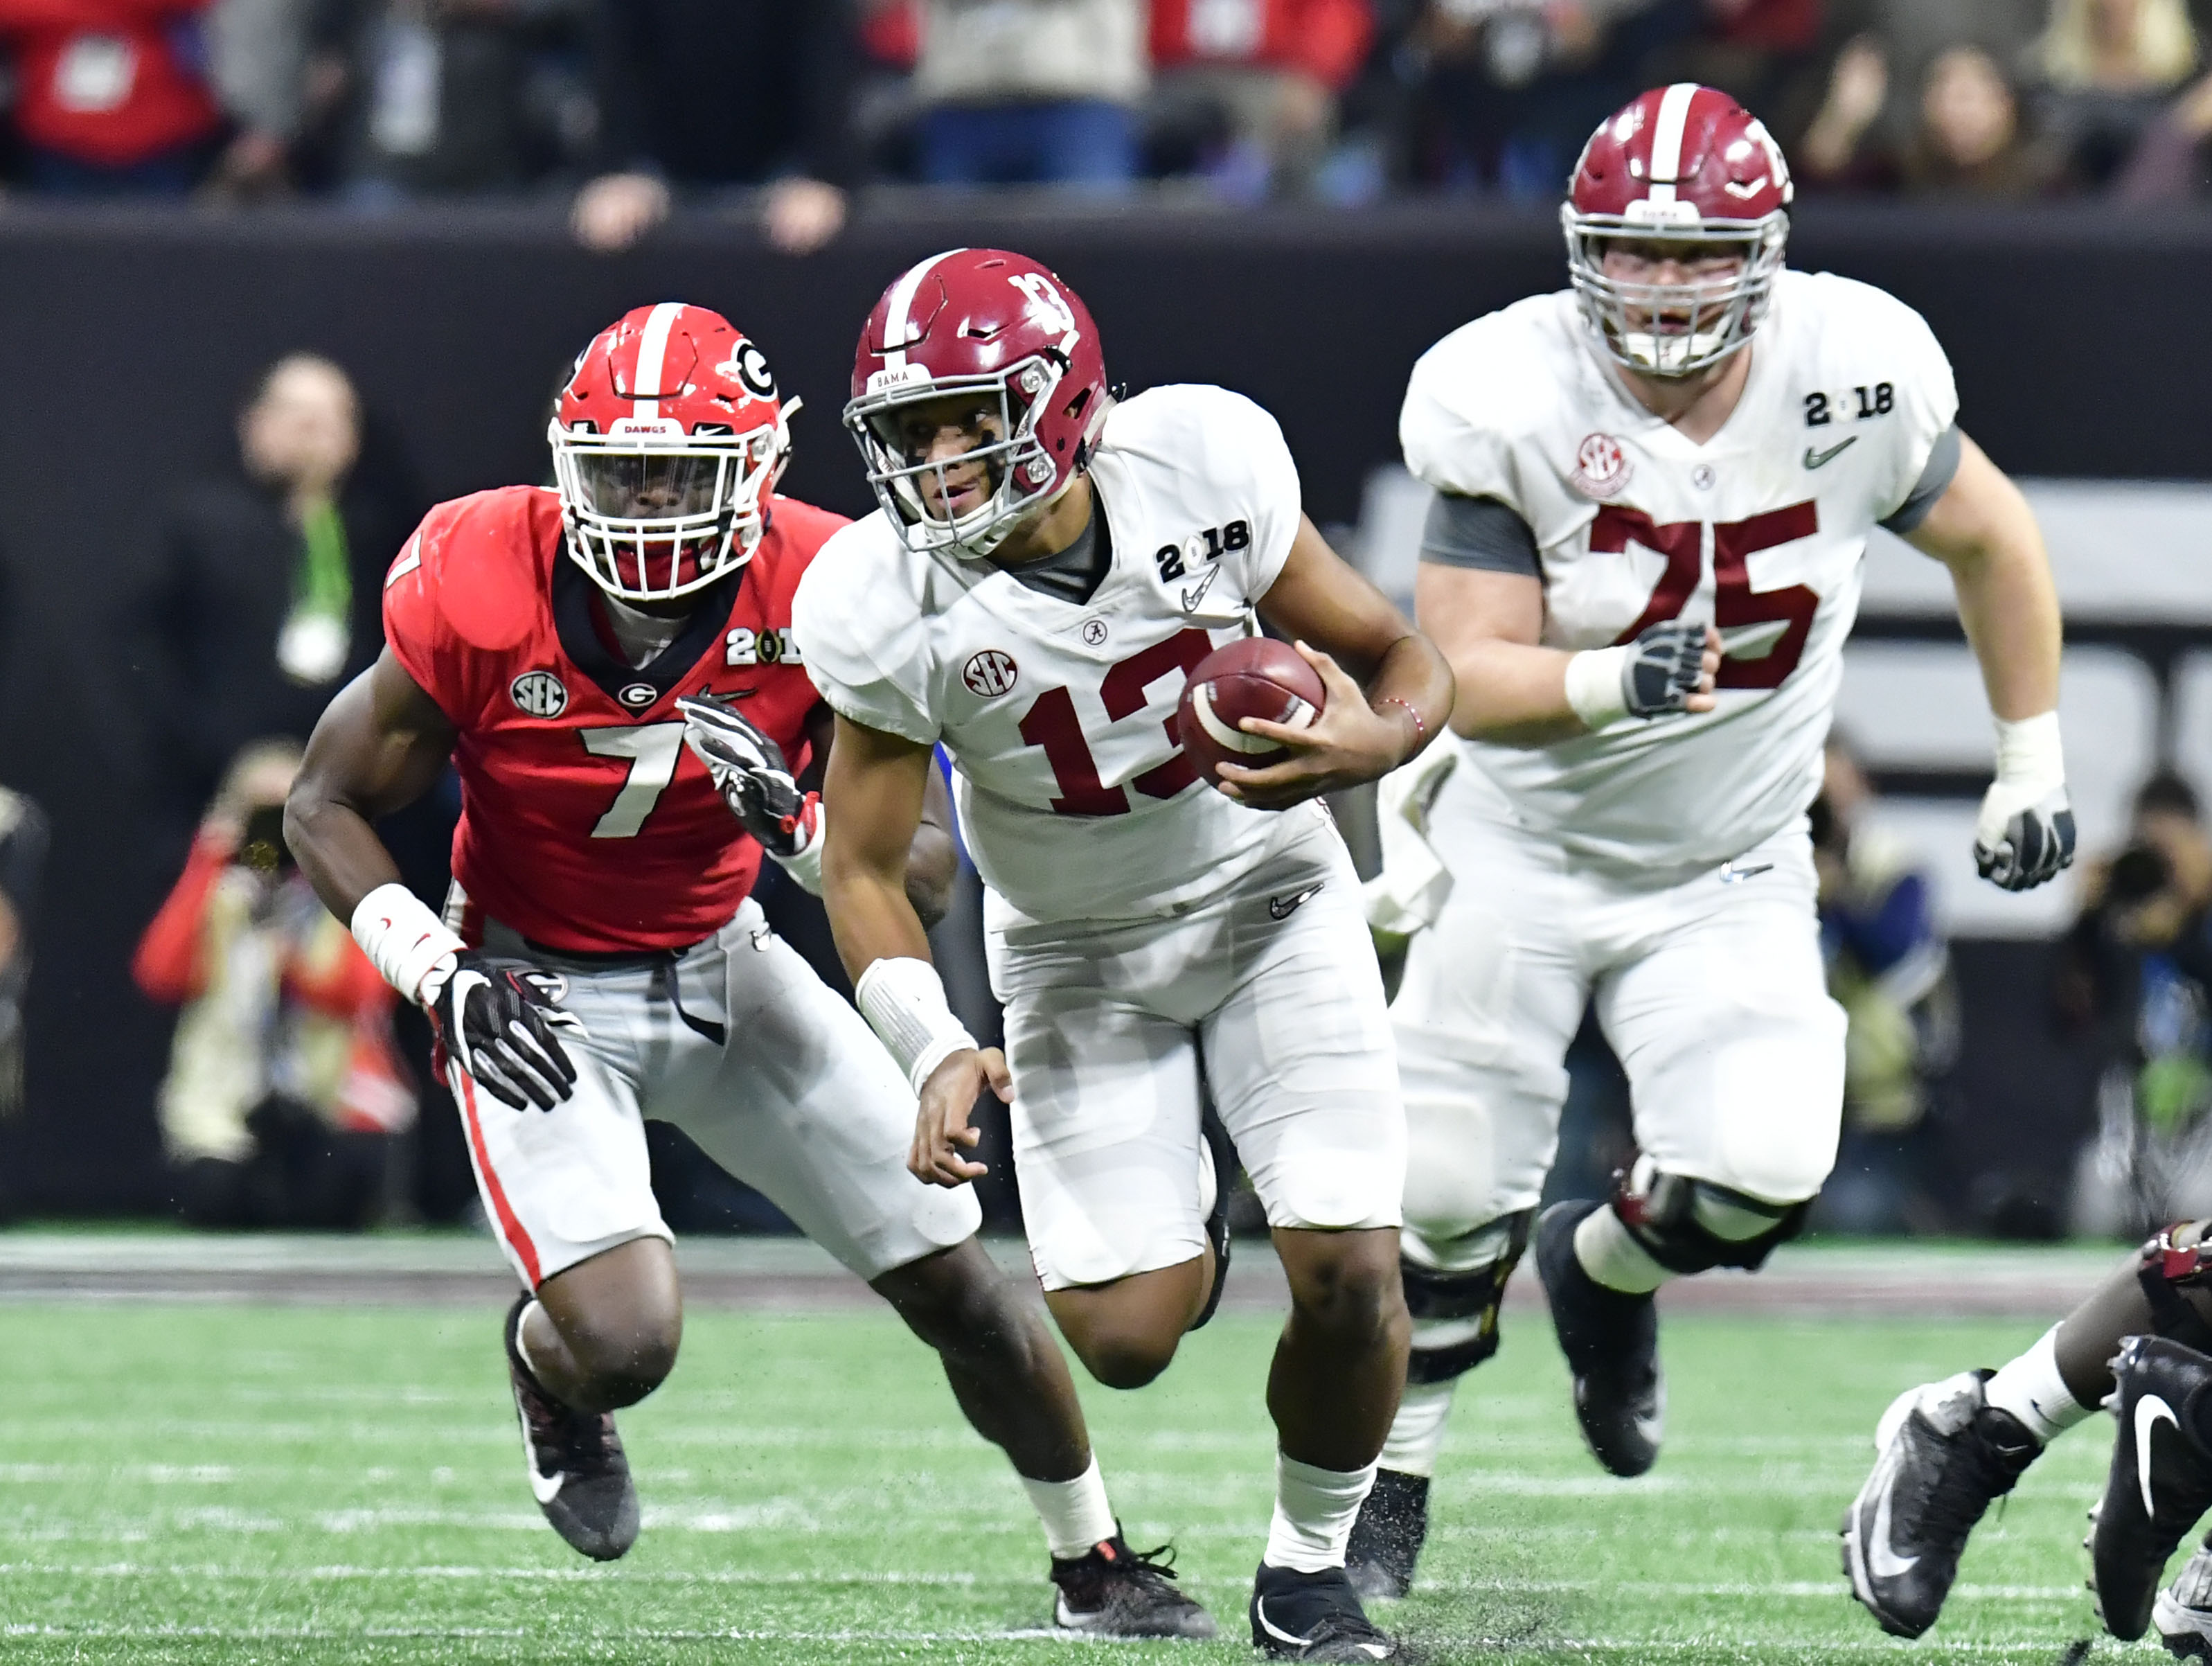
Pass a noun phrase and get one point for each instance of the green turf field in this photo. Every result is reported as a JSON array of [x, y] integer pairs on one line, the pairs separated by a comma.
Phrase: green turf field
[[223, 1483]]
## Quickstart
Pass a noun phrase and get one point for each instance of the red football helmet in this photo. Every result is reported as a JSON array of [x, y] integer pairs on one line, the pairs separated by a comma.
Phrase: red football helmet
[[1000, 327], [667, 439], [1686, 165]]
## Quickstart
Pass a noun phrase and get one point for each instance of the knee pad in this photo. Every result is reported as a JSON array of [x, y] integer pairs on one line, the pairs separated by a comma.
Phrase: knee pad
[[1456, 1314], [1693, 1225], [2178, 1259]]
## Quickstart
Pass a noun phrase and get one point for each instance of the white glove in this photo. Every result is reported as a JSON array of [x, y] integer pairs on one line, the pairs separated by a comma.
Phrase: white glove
[[2025, 832], [1410, 890]]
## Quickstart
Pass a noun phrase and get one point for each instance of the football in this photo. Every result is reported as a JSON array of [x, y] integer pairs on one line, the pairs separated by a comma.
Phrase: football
[[1256, 678]]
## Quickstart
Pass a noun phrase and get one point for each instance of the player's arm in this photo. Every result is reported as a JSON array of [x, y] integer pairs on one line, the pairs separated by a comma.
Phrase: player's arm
[[380, 744], [1982, 530], [1389, 689], [378, 748], [874, 790], [933, 859], [1514, 692]]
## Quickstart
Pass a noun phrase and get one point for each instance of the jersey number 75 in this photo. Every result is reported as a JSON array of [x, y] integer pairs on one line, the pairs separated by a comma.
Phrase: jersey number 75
[[1735, 604]]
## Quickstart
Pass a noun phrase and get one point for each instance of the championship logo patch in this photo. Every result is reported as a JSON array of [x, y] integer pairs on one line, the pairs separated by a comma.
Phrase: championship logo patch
[[538, 694], [1601, 467], [989, 673]]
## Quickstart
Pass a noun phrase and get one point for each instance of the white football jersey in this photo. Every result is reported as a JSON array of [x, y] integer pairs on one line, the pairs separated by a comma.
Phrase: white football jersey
[[1075, 799], [1760, 530]]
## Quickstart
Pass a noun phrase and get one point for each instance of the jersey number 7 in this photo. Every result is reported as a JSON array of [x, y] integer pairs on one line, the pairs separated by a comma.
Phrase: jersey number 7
[[1737, 608]]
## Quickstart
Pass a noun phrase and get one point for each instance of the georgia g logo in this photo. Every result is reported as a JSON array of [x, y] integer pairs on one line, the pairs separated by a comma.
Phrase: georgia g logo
[[747, 366]]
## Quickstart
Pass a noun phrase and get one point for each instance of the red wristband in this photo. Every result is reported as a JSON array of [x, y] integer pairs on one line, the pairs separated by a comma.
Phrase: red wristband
[[1420, 728]]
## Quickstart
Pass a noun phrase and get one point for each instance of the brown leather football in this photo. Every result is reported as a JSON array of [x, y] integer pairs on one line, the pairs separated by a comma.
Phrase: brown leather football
[[1256, 678]]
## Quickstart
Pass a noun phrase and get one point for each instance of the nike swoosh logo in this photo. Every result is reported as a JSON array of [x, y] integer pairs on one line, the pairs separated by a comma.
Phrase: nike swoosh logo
[[1882, 1561], [544, 1487], [1260, 1612], [1734, 874], [2148, 1410], [1814, 459], [1193, 594], [1282, 908]]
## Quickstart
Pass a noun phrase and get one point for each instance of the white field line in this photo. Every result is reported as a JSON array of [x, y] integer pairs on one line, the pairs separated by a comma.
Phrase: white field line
[[344, 1572], [1707, 1647]]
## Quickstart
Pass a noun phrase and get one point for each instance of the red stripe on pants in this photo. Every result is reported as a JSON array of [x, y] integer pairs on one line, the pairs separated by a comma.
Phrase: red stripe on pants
[[525, 1250]]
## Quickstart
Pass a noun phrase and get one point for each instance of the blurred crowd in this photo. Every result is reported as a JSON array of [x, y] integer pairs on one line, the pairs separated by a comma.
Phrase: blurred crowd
[[622, 108]]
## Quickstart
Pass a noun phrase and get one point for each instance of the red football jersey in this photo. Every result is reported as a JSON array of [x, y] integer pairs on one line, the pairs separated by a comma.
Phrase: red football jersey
[[587, 823]]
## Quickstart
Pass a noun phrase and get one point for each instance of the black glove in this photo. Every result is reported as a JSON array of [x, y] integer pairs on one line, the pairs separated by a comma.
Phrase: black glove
[[1665, 668], [750, 771], [497, 1025]]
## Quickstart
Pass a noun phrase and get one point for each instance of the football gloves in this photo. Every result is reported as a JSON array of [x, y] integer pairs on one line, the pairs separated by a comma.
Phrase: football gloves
[[498, 1025], [749, 772], [2025, 832], [1664, 666], [2019, 844]]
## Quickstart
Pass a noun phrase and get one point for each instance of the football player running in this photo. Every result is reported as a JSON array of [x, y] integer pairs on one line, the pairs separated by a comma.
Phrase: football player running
[[1654, 490], [601, 961], [1048, 566]]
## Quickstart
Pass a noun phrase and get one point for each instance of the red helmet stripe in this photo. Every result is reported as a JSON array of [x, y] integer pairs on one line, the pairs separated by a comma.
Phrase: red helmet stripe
[[1666, 139], [652, 356], [898, 316]]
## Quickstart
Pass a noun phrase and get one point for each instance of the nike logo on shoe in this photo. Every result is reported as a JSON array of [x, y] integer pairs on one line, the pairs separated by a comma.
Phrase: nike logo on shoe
[[544, 1487], [2148, 1411], [1282, 908], [1814, 459], [1372, 1651], [1193, 594], [1882, 1561]]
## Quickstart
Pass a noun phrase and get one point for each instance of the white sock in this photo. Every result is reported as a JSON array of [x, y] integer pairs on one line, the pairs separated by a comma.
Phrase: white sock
[[1614, 1259], [2031, 1388], [1075, 1513], [1314, 1513], [1416, 1434]]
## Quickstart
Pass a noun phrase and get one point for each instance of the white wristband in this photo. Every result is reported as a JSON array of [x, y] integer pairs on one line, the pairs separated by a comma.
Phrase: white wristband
[[1596, 685], [805, 863], [2030, 756], [404, 940], [903, 1001]]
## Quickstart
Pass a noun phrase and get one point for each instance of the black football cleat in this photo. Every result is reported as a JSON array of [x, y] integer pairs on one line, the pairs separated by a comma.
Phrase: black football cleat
[[1386, 1537], [1611, 1340], [2161, 1481], [574, 1460], [1225, 1168], [2183, 1613], [1115, 1591], [1313, 1616], [1945, 1453]]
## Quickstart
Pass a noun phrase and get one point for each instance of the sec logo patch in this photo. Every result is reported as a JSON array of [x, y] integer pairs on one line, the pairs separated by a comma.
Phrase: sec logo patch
[[1601, 467], [990, 674], [538, 694]]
